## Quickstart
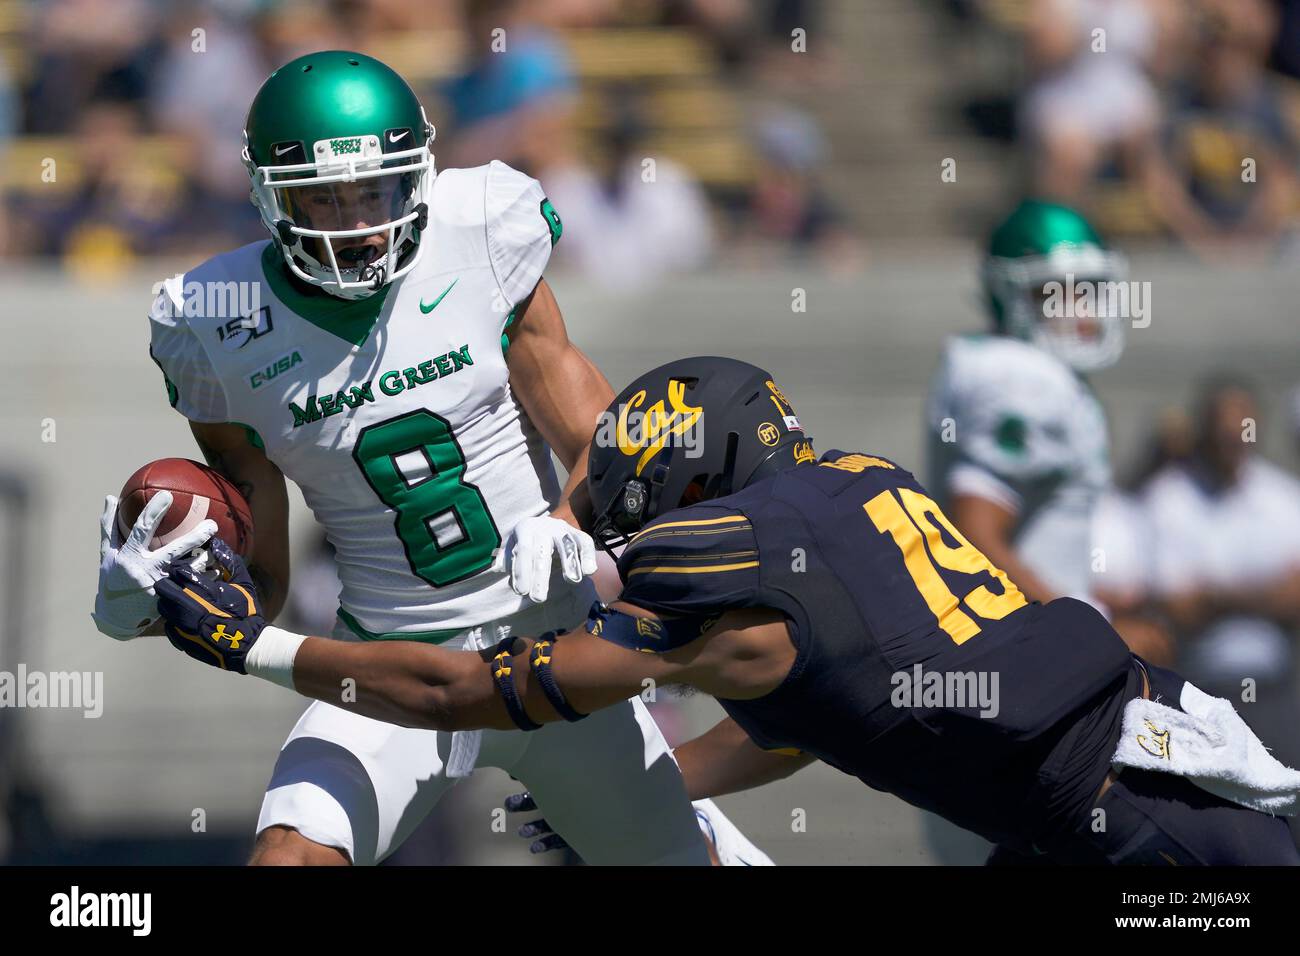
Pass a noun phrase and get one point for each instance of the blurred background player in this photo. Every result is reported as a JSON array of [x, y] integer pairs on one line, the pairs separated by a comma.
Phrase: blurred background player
[[1019, 449], [1018, 440]]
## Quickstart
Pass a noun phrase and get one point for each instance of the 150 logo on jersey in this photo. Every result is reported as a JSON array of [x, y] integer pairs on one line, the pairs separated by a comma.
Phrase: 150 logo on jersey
[[237, 333]]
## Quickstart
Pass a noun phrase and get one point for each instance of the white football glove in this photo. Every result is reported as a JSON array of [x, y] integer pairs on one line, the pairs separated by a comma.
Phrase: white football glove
[[126, 605], [527, 551]]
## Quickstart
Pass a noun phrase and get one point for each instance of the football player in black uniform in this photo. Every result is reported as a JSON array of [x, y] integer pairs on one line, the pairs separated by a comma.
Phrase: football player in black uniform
[[834, 612]]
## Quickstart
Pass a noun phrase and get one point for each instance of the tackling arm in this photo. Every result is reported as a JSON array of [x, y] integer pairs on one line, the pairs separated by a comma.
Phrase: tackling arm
[[218, 619], [417, 685], [746, 654]]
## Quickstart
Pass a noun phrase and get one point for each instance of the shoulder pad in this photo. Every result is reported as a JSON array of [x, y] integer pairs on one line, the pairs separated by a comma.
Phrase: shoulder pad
[[693, 560]]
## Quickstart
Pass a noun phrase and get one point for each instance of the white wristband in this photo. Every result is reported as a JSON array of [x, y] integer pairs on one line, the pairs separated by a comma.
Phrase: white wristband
[[272, 656]]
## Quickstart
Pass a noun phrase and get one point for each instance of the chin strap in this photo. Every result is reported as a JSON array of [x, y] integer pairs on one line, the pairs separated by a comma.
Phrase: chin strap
[[284, 228]]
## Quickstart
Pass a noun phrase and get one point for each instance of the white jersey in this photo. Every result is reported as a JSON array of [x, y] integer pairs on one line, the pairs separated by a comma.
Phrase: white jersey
[[393, 414], [1014, 424]]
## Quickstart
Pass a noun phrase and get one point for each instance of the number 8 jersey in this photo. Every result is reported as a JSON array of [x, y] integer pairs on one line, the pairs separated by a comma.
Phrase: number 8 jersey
[[393, 414]]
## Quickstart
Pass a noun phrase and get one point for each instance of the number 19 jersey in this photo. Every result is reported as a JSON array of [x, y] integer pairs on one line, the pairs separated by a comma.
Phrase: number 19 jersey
[[393, 414], [919, 668]]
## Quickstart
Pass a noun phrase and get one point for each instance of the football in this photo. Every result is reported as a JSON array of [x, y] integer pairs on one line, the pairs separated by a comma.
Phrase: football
[[197, 492]]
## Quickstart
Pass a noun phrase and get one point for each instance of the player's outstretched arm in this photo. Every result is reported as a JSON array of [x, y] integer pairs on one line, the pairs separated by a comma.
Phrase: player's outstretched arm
[[229, 449], [215, 616], [416, 685], [745, 654]]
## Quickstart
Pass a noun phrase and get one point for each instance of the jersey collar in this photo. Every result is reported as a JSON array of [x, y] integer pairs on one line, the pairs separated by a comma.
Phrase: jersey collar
[[352, 320]]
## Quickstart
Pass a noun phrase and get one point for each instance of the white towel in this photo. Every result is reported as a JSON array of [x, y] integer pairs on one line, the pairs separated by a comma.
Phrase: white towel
[[1208, 743], [465, 744]]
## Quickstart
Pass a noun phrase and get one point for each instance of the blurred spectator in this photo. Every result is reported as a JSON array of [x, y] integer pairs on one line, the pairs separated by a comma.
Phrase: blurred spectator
[[1226, 528], [116, 210], [635, 219], [203, 93], [85, 50], [8, 126], [1091, 98], [1172, 442], [8, 107], [1231, 114], [126, 201], [727, 25], [287, 29], [786, 207], [514, 94], [1121, 566], [1286, 49], [1122, 539]]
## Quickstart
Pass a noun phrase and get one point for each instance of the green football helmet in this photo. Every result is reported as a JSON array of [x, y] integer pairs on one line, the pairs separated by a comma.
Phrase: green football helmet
[[1037, 252], [338, 149]]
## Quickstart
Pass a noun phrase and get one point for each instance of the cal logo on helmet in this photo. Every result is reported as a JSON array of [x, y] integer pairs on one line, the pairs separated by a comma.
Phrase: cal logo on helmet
[[643, 433]]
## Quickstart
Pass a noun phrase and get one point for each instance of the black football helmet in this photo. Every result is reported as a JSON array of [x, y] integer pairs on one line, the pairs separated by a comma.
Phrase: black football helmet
[[688, 431]]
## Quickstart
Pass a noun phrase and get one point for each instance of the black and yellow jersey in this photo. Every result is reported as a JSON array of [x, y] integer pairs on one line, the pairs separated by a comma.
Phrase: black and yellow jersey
[[920, 668]]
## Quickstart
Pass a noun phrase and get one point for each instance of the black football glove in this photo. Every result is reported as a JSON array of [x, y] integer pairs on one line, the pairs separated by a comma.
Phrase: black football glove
[[218, 619]]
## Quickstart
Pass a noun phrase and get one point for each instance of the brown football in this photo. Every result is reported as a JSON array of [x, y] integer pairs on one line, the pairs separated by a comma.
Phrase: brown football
[[198, 492]]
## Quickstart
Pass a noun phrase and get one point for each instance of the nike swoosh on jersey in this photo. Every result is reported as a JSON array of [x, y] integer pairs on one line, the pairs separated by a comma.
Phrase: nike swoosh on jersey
[[426, 309]]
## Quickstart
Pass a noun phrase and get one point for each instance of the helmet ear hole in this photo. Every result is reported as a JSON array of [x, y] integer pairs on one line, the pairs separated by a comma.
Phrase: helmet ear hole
[[695, 492]]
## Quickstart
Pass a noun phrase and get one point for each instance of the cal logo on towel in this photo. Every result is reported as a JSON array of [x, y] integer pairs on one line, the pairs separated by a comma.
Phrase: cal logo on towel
[[1157, 744]]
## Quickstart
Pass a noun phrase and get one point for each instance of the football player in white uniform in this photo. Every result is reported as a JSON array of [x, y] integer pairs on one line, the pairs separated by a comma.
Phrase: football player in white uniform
[[408, 368], [1018, 441], [1018, 444]]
